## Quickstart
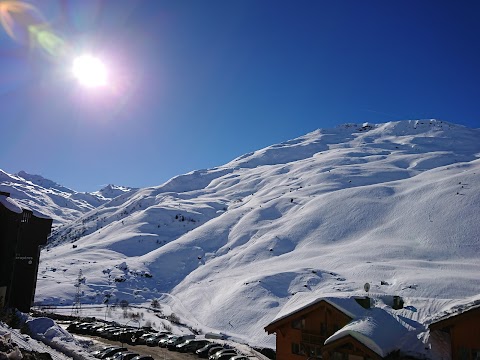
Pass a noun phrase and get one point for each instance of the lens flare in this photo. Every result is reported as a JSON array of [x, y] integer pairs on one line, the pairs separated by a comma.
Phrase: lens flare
[[17, 16], [24, 23]]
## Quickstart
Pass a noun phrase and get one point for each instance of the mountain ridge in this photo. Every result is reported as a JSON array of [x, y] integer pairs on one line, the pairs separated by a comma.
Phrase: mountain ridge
[[60, 203]]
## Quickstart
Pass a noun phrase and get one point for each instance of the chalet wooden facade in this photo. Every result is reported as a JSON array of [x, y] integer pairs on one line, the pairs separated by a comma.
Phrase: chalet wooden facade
[[302, 334], [348, 348], [464, 331]]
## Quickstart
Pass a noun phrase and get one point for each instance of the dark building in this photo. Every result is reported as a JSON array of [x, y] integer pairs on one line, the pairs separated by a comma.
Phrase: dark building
[[21, 234], [463, 326]]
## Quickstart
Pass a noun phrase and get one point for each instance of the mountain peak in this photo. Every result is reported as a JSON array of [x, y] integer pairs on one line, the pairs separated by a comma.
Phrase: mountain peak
[[111, 191], [43, 182]]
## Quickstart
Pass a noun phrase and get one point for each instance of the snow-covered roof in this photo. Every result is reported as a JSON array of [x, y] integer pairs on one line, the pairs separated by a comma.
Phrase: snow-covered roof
[[455, 309], [13, 206], [379, 330], [10, 204], [300, 301]]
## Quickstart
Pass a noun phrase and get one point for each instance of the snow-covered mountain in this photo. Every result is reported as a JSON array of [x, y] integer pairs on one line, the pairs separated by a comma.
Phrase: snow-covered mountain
[[56, 201], [394, 204]]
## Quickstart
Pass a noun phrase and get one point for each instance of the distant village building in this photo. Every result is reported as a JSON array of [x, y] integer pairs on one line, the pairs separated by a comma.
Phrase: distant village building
[[463, 329], [22, 232]]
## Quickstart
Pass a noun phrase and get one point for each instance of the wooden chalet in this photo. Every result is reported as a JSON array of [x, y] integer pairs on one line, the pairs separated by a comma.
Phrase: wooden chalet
[[302, 333], [337, 328], [463, 329]]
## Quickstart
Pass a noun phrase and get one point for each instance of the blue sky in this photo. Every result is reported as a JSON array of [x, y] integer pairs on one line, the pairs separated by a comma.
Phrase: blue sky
[[198, 83]]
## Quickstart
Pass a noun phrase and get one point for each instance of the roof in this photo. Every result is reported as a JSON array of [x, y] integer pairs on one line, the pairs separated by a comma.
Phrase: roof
[[379, 330], [453, 311], [17, 208], [454, 314], [10, 204], [301, 301]]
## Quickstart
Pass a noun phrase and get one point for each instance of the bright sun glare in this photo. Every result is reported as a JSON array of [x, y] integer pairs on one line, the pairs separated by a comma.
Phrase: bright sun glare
[[90, 71]]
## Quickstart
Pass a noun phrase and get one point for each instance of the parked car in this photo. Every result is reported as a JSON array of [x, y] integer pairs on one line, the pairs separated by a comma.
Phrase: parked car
[[192, 345], [111, 352], [101, 352], [163, 342], [172, 345], [214, 349], [102, 349], [218, 354], [108, 331], [142, 339], [81, 328], [225, 357], [153, 341], [239, 357], [143, 357], [72, 327], [203, 352], [117, 355], [128, 355]]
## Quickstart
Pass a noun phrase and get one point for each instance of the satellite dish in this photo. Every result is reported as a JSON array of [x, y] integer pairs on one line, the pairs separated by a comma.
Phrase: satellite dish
[[366, 287]]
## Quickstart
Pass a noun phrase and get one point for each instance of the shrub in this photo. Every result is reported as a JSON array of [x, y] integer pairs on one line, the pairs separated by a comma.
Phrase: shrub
[[173, 318]]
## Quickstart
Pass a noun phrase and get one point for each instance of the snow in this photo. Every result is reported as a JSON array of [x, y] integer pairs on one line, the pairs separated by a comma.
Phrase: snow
[[227, 249], [51, 338], [43, 196], [10, 204], [380, 330]]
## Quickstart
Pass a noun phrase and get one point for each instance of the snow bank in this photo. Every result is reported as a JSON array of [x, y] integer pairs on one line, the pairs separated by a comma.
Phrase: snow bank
[[47, 331]]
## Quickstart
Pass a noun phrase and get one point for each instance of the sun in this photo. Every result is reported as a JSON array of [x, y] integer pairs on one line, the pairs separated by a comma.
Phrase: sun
[[90, 71]]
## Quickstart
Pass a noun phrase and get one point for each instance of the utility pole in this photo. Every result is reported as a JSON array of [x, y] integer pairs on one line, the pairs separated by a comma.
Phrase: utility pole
[[77, 306]]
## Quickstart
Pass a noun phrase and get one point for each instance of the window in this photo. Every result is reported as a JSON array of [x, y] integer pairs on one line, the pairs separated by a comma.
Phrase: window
[[295, 349], [298, 323]]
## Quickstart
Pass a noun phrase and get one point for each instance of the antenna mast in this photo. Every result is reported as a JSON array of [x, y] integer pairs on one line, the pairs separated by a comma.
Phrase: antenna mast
[[77, 306]]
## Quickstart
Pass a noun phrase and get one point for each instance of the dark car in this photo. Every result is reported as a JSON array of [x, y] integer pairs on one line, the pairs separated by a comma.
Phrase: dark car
[[142, 339], [164, 342], [153, 341], [96, 353], [143, 357], [72, 327], [216, 355], [172, 344], [126, 355], [119, 355], [192, 345], [239, 357], [111, 352], [225, 357], [203, 352]]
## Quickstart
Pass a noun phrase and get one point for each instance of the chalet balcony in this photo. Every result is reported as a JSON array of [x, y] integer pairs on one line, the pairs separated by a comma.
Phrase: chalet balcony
[[310, 338]]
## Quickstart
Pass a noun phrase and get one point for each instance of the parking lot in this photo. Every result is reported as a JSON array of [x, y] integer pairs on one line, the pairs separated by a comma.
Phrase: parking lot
[[143, 341], [157, 353]]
